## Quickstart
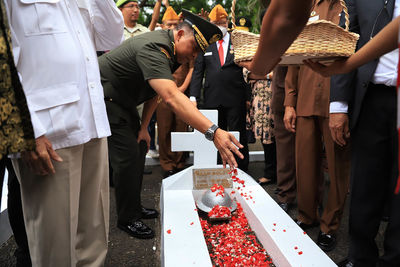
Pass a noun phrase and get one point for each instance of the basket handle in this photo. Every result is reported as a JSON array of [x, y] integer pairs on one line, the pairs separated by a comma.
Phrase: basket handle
[[346, 13], [233, 14]]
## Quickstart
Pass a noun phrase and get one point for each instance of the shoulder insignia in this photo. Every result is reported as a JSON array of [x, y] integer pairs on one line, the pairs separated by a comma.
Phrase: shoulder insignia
[[165, 52], [214, 38]]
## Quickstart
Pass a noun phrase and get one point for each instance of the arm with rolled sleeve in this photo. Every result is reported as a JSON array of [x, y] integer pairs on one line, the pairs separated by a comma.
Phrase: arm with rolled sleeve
[[108, 24]]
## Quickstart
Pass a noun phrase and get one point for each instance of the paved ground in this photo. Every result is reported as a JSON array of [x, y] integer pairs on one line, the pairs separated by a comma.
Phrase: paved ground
[[127, 251]]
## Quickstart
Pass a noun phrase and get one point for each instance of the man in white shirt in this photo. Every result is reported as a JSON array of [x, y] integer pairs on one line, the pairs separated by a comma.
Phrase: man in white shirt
[[64, 183]]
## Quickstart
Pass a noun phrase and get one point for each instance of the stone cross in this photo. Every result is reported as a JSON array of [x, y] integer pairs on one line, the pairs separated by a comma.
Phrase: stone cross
[[205, 153]]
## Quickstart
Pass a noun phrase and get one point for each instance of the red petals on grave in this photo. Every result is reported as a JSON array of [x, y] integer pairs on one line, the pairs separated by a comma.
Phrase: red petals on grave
[[169, 231], [300, 252], [219, 189], [219, 212], [234, 243], [191, 223]]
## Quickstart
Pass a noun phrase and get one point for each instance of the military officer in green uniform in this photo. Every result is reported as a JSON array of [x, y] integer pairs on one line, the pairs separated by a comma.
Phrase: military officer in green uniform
[[136, 72]]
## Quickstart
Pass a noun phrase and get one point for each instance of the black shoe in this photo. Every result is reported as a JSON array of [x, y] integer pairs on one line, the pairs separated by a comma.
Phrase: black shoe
[[149, 213], [346, 263], [137, 229], [168, 173], [326, 242], [277, 191], [285, 206], [269, 181], [147, 171], [305, 226], [22, 257]]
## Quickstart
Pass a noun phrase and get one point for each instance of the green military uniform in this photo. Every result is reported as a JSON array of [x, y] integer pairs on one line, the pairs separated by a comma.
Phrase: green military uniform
[[125, 72]]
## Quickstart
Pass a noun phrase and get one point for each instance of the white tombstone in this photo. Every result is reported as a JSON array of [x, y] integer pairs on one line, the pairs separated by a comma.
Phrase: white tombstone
[[182, 240], [205, 153]]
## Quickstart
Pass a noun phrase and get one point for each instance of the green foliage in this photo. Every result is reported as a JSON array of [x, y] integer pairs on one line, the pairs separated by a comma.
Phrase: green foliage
[[248, 8]]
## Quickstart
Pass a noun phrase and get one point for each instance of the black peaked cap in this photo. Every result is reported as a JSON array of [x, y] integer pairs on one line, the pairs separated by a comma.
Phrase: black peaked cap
[[205, 33]]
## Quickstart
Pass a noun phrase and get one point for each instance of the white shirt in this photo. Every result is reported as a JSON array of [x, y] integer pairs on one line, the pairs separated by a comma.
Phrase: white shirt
[[385, 73], [54, 45], [225, 44]]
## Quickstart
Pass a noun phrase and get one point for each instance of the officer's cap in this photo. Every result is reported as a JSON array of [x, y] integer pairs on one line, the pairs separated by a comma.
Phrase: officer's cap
[[123, 2], [205, 33]]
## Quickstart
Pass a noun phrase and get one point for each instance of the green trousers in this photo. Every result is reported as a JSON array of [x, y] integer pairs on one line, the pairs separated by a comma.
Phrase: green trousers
[[127, 159]]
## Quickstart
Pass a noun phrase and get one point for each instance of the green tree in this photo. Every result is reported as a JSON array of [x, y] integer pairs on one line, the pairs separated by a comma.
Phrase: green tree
[[248, 8]]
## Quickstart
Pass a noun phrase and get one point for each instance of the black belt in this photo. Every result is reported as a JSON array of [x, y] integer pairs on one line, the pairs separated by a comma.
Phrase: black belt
[[381, 86]]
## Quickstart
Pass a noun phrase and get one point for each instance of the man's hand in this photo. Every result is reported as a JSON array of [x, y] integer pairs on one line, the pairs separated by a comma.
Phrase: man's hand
[[339, 126], [165, 3], [289, 119], [39, 161], [144, 135], [194, 103], [204, 14], [227, 144], [337, 67]]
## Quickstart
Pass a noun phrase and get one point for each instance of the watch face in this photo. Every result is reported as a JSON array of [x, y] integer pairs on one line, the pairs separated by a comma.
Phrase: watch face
[[209, 135]]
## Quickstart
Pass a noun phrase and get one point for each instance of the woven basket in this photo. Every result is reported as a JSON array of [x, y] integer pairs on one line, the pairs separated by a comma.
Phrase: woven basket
[[321, 40]]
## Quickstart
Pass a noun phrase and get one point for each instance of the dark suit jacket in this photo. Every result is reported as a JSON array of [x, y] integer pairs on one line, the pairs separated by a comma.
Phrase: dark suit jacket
[[223, 86], [352, 87]]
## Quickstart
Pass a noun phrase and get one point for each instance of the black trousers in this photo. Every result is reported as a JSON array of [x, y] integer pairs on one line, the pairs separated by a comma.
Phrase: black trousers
[[127, 158], [234, 119], [373, 179], [15, 213], [270, 161]]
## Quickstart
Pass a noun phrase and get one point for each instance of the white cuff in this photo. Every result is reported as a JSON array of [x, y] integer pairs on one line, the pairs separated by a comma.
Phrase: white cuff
[[193, 99], [338, 107]]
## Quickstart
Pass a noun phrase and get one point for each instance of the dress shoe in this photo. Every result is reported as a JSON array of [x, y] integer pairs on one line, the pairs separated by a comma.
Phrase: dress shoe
[[305, 226], [266, 181], [149, 213], [147, 171], [285, 206], [326, 242], [137, 229], [346, 263], [277, 191], [168, 173]]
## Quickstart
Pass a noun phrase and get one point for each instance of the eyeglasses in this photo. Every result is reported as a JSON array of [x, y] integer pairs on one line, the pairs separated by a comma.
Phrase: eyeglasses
[[383, 11]]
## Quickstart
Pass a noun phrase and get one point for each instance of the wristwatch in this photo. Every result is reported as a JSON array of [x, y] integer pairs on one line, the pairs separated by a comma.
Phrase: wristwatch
[[209, 134]]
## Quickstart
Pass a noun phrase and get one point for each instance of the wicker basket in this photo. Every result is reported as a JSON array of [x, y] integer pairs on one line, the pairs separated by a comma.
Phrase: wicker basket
[[321, 39]]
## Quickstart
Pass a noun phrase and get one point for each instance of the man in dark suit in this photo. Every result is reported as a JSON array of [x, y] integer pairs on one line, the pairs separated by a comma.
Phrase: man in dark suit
[[368, 96], [224, 88]]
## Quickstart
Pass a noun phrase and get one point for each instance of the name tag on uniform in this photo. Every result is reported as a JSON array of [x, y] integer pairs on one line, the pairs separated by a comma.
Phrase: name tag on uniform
[[208, 54]]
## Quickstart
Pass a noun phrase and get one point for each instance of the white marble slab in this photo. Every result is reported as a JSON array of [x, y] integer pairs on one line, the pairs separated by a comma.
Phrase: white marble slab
[[185, 244]]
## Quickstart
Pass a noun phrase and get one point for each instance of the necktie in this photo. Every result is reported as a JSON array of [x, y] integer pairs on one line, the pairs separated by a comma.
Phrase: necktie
[[221, 53]]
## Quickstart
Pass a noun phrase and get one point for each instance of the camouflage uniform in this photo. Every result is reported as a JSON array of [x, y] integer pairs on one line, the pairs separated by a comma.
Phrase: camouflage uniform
[[16, 132]]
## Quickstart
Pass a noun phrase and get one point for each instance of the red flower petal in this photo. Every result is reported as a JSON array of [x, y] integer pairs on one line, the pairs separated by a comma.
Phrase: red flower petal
[[169, 231]]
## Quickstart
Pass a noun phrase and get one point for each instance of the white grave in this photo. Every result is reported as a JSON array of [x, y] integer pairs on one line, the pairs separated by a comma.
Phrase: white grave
[[182, 240]]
